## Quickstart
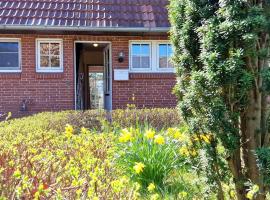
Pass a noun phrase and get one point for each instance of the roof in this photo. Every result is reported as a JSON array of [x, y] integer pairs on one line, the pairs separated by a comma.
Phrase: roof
[[111, 15]]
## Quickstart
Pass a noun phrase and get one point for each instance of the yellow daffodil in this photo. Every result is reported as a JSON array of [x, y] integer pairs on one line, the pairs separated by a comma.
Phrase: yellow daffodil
[[206, 138], [183, 194], [84, 130], [138, 167], [196, 138], [154, 196], [151, 187], [193, 152], [159, 139], [68, 130], [171, 131], [184, 151], [175, 133], [255, 188], [149, 134], [250, 194], [125, 136], [232, 193]]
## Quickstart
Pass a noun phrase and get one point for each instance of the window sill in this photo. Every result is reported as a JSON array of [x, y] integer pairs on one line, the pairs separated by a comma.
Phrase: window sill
[[153, 72], [10, 71], [49, 71]]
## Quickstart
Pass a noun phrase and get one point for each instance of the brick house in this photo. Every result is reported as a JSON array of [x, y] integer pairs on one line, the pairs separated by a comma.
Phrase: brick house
[[84, 54]]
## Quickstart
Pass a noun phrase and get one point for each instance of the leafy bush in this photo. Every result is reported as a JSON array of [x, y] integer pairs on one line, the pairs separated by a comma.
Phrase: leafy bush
[[154, 161], [263, 155], [158, 118], [41, 157], [94, 119], [39, 162]]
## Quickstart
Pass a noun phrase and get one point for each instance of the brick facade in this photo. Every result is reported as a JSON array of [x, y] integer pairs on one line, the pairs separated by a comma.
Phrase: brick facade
[[55, 91]]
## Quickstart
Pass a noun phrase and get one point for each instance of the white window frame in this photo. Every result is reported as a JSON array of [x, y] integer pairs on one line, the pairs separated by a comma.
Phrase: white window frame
[[154, 57], [49, 69], [158, 66], [19, 69], [131, 53]]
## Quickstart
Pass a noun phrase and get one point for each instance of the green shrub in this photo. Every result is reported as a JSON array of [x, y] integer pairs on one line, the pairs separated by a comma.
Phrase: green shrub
[[39, 162], [41, 157], [91, 119], [158, 118], [263, 155], [154, 161]]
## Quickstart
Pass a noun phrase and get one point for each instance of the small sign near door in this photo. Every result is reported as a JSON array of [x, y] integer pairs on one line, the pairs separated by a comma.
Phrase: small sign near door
[[121, 75]]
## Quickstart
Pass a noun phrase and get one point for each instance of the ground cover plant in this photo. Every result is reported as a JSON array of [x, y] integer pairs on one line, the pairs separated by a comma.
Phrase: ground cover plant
[[36, 163], [44, 157], [94, 155]]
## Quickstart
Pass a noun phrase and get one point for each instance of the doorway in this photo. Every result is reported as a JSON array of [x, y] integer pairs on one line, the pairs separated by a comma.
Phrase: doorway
[[93, 75]]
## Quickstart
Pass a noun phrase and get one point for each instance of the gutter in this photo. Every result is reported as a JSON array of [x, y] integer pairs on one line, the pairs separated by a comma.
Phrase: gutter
[[80, 28]]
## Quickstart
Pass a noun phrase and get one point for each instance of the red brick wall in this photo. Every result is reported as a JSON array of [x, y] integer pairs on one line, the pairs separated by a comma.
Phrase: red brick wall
[[55, 91], [147, 90]]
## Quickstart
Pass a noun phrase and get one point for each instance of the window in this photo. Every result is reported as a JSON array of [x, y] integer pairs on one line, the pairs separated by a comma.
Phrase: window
[[140, 56], [151, 56], [164, 54], [49, 55], [9, 55]]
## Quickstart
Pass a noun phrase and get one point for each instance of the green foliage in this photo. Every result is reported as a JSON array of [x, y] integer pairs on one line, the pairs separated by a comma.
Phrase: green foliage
[[159, 159], [43, 157], [263, 155], [39, 162], [221, 51], [211, 43], [158, 118]]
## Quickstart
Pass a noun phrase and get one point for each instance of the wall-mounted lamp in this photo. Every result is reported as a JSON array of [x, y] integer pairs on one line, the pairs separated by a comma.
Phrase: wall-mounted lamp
[[121, 57]]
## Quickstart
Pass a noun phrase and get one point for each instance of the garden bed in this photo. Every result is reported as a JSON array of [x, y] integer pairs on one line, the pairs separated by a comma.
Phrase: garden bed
[[126, 154]]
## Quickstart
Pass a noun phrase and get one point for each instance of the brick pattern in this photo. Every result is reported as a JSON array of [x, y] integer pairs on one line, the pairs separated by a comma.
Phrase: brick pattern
[[149, 92], [55, 91]]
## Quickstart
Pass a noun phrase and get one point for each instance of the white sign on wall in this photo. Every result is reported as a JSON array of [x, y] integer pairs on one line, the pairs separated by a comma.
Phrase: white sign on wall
[[121, 75]]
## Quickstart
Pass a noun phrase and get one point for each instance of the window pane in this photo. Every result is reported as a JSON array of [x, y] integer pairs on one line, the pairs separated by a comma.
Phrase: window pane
[[145, 62], [145, 49], [44, 61], [163, 62], [55, 49], [9, 47], [170, 50], [136, 49], [9, 60], [55, 61], [136, 62], [162, 50], [44, 48], [170, 54], [170, 64]]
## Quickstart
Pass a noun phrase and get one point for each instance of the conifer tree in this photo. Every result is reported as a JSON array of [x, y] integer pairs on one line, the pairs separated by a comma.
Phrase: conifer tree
[[221, 51]]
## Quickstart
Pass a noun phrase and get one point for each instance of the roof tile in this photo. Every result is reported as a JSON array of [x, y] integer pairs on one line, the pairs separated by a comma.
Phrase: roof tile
[[93, 13]]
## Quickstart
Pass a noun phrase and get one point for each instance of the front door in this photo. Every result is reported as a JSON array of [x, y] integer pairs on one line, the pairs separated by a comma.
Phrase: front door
[[107, 79], [93, 76]]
